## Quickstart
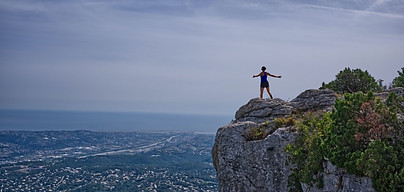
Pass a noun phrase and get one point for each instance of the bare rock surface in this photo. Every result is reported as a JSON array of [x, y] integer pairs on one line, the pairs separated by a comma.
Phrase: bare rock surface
[[384, 95], [261, 110], [314, 99], [337, 179]]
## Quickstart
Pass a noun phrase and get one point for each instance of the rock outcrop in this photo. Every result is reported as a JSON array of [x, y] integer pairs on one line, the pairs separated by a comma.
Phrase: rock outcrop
[[260, 165], [250, 166], [262, 110], [314, 99], [337, 179], [384, 95]]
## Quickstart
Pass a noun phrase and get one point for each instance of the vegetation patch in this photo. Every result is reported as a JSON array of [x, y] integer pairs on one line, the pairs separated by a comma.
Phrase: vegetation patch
[[399, 80], [362, 135], [395, 103], [350, 81], [258, 133], [307, 152], [284, 122]]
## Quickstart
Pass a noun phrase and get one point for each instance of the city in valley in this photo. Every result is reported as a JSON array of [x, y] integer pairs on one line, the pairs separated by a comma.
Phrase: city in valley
[[106, 161]]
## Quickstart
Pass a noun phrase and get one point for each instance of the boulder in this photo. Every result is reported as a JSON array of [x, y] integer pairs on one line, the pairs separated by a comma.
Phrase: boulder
[[314, 99], [261, 110]]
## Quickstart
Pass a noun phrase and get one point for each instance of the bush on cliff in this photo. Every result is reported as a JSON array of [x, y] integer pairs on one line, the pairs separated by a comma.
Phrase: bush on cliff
[[350, 81], [284, 121], [307, 151], [394, 102], [399, 80], [362, 135], [258, 133]]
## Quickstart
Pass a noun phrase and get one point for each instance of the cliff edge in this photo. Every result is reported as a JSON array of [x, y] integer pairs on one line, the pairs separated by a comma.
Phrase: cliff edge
[[243, 164]]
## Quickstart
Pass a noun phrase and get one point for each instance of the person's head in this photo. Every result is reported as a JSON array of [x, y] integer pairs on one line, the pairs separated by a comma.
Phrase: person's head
[[263, 68]]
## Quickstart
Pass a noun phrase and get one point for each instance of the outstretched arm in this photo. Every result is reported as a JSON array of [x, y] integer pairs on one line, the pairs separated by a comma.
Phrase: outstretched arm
[[274, 75], [261, 74]]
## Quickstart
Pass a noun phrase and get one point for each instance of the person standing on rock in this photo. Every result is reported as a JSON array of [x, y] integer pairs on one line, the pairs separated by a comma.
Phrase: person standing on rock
[[264, 81]]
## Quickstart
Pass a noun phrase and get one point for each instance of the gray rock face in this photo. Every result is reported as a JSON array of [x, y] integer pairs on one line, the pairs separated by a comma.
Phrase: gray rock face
[[261, 110], [336, 179], [260, 165], [250, 166], [385, 95], [314, 99]]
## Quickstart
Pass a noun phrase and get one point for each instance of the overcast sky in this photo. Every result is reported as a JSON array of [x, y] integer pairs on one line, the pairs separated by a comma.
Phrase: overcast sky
[[187, 56]]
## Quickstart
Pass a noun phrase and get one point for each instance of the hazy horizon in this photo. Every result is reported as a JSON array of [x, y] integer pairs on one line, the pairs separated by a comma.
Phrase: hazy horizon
[[187, 56], [43, 120]]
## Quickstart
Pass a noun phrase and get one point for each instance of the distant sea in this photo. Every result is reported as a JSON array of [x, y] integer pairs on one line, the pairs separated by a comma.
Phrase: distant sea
[[32, 120]]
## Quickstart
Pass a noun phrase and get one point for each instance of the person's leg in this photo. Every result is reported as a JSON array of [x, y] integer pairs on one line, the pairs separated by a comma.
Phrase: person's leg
[[269, 93], [262, 91]]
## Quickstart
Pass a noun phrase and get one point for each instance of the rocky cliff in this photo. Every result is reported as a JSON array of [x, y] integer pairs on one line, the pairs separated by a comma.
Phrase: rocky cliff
[[261, 165]]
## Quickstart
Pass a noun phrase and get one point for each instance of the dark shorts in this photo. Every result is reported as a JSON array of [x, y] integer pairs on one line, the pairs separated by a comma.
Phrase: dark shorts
[[264, 84]]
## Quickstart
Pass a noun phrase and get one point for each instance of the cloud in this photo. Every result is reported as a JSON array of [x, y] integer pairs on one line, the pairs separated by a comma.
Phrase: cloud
[[378, 3], [359, 12]]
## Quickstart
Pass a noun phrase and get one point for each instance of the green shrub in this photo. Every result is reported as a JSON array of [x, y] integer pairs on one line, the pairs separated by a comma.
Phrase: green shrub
[[284, 122], [394, 102], [307, 151], [350, 81], [399, 80], [362, 135], [362, 140], [255, 133], [383, 163], [258, 133]]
